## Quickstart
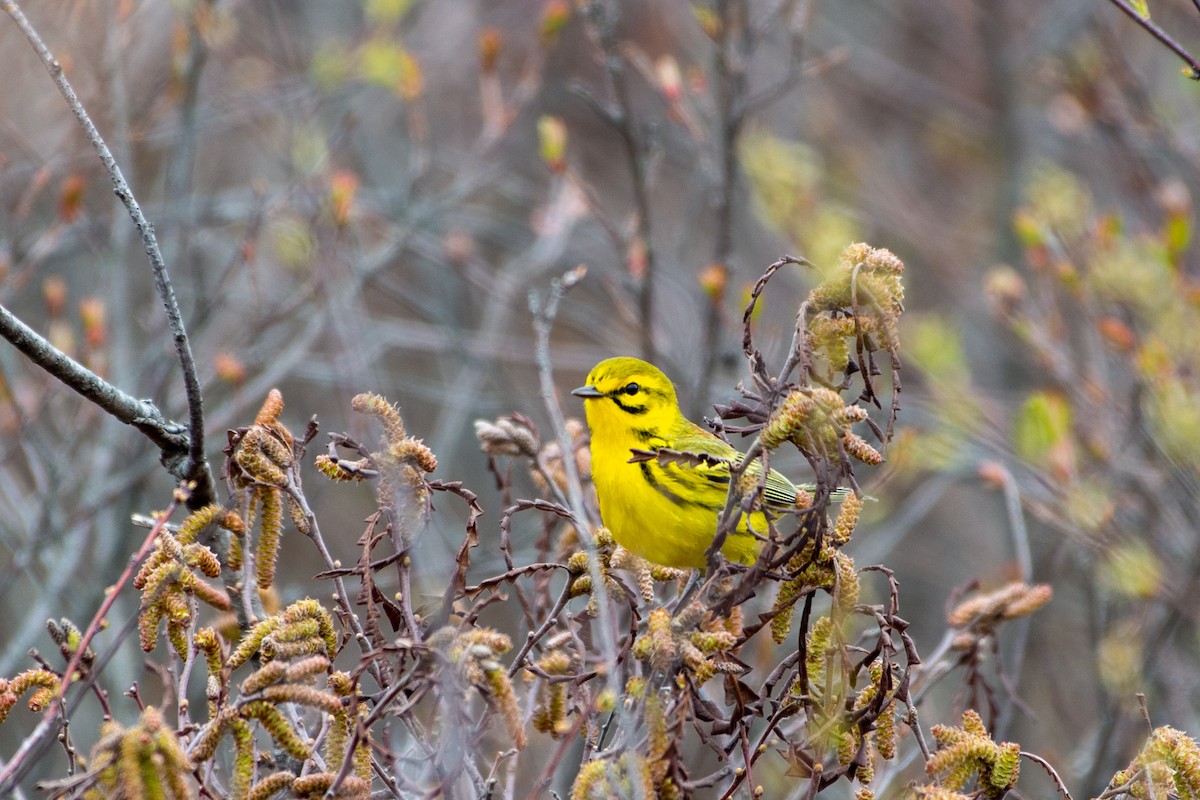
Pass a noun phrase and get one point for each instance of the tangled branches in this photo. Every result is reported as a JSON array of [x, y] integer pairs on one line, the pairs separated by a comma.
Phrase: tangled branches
[[797, 668]]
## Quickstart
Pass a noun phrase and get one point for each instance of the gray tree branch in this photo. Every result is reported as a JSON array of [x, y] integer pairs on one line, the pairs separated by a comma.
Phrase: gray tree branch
[[195, 466], [171, 438]]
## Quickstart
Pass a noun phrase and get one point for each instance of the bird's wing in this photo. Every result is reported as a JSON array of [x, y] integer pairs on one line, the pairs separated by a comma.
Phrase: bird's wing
[[779, 491]]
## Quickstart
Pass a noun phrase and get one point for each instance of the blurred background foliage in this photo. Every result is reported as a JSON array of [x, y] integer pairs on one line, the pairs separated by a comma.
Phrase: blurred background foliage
[[359, 196]]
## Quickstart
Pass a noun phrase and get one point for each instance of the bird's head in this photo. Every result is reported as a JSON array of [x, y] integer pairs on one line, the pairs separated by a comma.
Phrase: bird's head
[[622, 393]]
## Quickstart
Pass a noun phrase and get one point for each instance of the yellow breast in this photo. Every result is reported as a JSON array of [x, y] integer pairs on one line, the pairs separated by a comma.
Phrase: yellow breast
[[651, 512]]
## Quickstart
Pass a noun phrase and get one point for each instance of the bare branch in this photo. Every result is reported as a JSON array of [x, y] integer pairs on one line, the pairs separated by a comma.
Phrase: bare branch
[[1162, 36], [1044, 764], [196, 468], [170, 437]]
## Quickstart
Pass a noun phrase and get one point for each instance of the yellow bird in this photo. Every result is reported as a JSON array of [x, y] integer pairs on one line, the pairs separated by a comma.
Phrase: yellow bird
[[665, 513]]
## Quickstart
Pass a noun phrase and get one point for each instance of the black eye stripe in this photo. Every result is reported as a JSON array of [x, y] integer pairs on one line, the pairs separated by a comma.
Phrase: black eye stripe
[[635, 410]]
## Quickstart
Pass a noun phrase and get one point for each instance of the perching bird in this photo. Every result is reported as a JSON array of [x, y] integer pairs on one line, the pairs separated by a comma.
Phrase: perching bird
[[665, 513]]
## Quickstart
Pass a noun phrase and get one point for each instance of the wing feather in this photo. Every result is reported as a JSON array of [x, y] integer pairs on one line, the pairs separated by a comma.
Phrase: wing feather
[[779, 492]]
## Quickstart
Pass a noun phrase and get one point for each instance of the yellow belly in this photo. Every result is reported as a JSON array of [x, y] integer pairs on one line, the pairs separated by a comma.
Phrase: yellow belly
[[663, 529]]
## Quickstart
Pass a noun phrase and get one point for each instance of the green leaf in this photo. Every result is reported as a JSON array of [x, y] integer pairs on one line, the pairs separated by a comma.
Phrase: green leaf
[[384, 62], [1177, 234], [1043, 428], [1132, 569], [784, 176]]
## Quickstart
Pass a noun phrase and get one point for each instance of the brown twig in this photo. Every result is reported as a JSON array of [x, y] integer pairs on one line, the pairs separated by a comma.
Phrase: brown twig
[[535, 635], [1054, 776], [23, 760], [1162, 36], [293, 489]]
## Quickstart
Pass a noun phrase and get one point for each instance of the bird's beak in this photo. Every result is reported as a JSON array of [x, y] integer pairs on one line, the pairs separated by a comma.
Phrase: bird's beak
[[587, 391]]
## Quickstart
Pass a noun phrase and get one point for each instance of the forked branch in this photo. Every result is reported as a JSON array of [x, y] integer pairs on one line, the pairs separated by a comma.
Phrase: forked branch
[[194, 467]]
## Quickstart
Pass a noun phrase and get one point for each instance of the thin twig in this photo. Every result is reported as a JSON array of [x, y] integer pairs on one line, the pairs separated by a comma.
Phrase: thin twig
[[543, 320], [1024, 559], [535, 635], [1044, 764], [731, 513], [1162, 36], [340, 594], [21, 761], [196, 466], [347, 765]]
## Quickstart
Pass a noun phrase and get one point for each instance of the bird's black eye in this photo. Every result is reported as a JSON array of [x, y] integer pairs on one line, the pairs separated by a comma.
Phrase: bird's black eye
[[631, 388]]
